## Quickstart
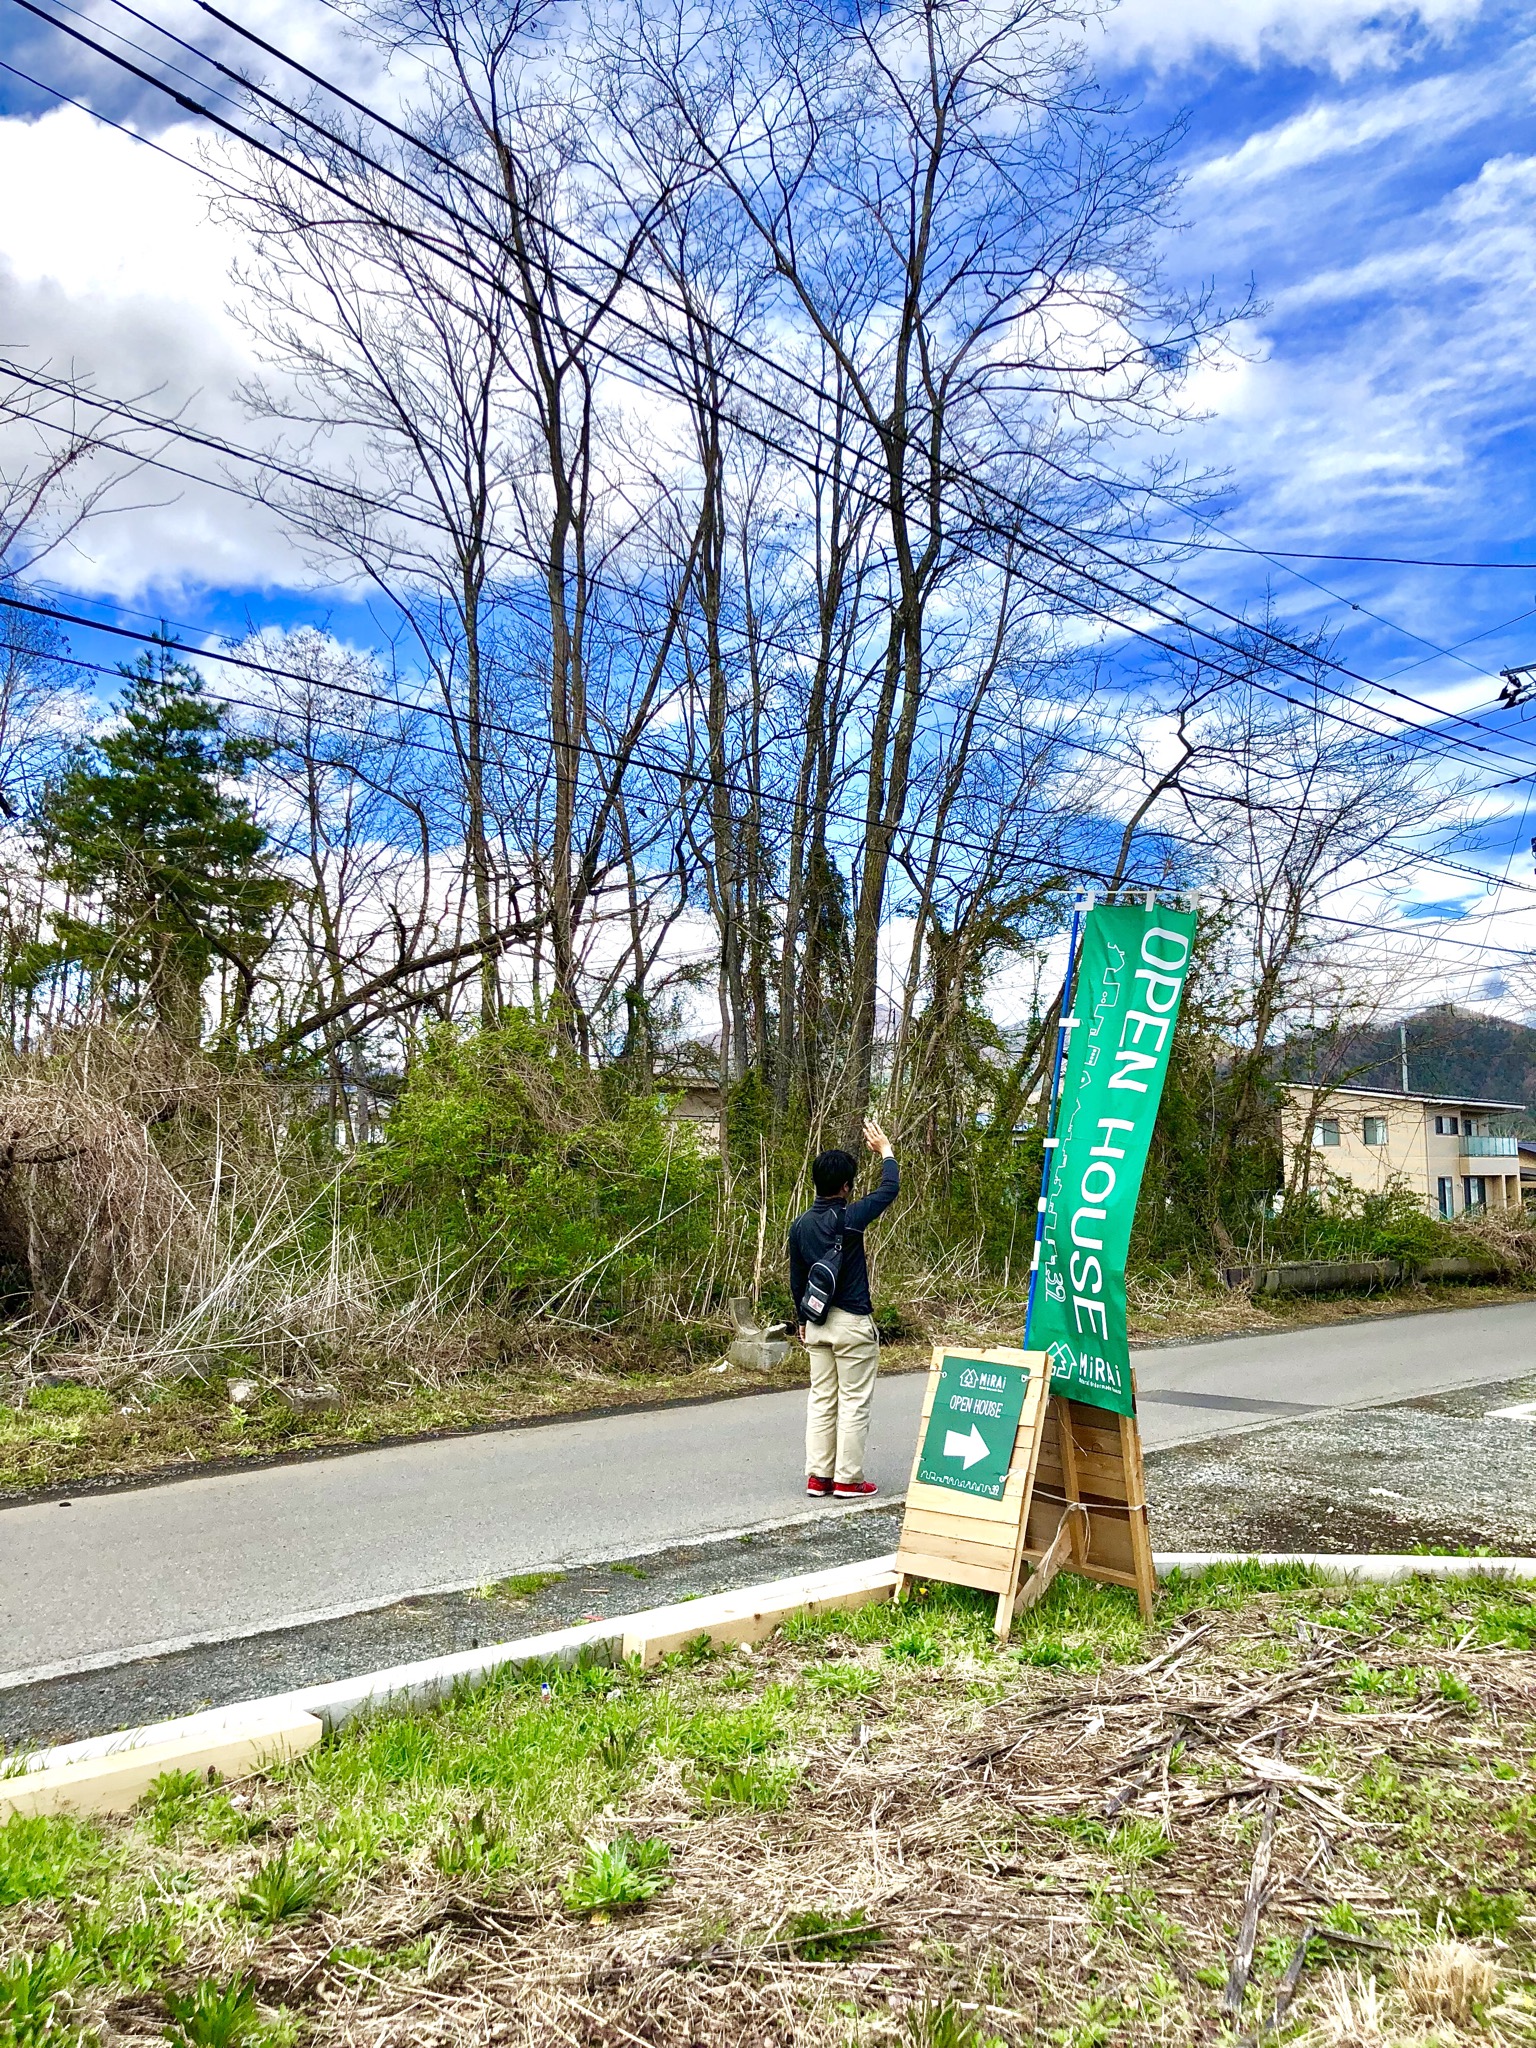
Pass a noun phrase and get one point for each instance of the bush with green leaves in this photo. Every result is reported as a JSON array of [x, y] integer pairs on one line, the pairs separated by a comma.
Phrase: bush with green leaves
[[212, 2015], [35, 1998], [286, 1888], [613, 1876], [504, 1146]]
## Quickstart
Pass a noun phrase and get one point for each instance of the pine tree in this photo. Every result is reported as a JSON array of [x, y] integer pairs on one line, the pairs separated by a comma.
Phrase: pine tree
[[141, 825]]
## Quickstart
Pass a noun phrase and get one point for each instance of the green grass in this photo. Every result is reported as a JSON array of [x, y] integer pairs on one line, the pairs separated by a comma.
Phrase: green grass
[[1129, 1843], [212, 2015], [35, 1992], [288, 1887], [514, 1798], [824, 1938], [47, 1856], [765, 1786], [520, 1586], [613, 1876]]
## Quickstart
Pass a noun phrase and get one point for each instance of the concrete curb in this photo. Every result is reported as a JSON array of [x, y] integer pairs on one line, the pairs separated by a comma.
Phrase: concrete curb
[[741, 1616], [225, 1735], [1380, 1571], [115, 1783], [172, 1646]]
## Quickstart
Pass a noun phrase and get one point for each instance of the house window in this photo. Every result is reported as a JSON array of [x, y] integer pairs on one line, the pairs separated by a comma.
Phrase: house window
[[1446, 1192], [1326, 1131], [1474, 1191], [1445, 1127], [1375, 1130]]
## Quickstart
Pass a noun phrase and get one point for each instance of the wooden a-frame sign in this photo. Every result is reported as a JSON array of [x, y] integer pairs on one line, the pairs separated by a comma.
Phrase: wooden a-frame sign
[[1064, 1493]]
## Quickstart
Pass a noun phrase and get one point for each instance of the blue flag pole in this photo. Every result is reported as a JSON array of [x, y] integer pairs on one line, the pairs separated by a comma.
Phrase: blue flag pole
[[1064, 1024]]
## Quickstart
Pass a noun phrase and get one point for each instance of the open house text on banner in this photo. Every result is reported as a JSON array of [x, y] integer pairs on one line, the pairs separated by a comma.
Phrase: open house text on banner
[[1130, 984]]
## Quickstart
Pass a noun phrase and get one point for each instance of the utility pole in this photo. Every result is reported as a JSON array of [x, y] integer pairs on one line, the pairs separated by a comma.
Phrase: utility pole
[[1402, 1050]]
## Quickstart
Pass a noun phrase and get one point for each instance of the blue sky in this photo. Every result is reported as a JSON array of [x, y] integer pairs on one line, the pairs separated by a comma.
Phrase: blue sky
[[1372, 171]]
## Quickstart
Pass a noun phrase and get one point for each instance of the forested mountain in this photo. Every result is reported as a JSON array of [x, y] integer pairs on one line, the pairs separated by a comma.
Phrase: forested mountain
[[1450, 1051]]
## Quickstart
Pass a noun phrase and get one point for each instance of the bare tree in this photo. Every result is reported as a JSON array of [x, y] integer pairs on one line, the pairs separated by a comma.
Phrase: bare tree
[[388, 349], [1279, 808], [960, 223]]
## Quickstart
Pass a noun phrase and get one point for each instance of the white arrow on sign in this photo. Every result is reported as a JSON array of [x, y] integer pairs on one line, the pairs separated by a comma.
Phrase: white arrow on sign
[[970, 1448]]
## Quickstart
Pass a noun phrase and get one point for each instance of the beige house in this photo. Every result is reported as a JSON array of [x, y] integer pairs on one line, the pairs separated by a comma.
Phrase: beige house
[[1443, 1147]]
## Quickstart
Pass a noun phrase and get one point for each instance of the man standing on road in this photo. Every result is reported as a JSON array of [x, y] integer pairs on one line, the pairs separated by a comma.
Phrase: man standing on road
[[844, 1347]]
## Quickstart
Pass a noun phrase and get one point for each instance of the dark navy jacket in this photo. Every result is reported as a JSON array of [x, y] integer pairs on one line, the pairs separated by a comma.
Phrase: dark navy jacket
[[812, 1236]]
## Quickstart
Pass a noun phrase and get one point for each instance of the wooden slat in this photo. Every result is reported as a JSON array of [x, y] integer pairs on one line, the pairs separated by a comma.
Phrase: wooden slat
[[966, 1538], [939, 1543], [1109, 1542], [1101, 1575], [1106, 1476], [921, 1522], [938, 1500], [918, 1564], [1092, 1438]]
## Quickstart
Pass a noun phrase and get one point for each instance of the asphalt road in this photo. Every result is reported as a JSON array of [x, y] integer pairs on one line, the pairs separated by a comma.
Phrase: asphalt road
[[119, 1575]]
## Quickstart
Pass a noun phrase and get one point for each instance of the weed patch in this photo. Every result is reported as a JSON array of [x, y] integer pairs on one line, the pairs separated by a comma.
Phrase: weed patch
[[879, 1827], [615, 1875]]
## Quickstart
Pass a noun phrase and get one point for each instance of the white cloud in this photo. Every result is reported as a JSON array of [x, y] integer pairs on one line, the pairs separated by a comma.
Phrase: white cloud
[[1440, 106], [113, 274], [1340, 36]]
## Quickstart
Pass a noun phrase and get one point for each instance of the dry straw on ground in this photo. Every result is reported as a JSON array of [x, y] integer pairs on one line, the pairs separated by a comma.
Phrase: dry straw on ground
[[966, 1850]]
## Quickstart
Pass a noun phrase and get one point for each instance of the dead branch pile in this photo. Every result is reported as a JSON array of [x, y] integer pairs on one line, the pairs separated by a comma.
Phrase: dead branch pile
[[91, 1209]]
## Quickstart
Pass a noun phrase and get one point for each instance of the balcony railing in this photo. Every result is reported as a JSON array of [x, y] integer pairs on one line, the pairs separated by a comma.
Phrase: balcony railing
[[1490, 1148]]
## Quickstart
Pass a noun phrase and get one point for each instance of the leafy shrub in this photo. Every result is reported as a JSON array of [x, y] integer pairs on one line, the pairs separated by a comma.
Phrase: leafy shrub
[[288, 1886], [170, 1799], [1347, 1222], [40, 1855], [213, 2015], [765, 1786], [502, 1147], [615, 1875], [471, 1847], [949, 2026], [68, 1401], [132, 1955], [33, 1988], [1474, 1912], [820, 1939]]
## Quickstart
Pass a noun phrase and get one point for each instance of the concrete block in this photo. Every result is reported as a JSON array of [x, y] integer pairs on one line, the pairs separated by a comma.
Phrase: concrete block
[[433, 1679], [754, 1612], [114, 1782]]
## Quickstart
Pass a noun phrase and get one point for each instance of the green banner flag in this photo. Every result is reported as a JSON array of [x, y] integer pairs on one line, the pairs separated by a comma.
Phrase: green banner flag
[[1130, 983]]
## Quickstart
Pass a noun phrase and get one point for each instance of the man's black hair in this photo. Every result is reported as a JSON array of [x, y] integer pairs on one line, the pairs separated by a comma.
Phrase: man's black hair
[[833, 1171]]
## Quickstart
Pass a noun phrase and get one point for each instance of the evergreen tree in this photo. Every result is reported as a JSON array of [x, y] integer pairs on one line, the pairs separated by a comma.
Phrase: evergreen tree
[[141, 826]]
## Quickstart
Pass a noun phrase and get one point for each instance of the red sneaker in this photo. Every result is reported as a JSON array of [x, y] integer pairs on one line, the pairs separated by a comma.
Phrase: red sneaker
[[855, 1489], [817, 1486]]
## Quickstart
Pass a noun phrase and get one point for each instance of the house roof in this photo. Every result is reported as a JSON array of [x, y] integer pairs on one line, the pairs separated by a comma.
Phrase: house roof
[[1443, 1101]]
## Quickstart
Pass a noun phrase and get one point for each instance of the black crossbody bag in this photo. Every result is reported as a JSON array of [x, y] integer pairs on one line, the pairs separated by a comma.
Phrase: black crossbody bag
[[821, 1282]]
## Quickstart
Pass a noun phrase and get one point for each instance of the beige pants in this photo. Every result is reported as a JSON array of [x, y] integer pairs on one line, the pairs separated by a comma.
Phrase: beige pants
[[845, 1357]]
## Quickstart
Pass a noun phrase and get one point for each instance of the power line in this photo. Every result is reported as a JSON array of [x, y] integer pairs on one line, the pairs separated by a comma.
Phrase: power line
[[648, 287], [1237, 547], [1103, 584], [1392, 625], [1065, 868], [644, 762], [488, 726]]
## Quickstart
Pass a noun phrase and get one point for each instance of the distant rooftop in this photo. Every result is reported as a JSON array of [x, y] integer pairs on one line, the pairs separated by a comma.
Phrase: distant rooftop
[[1444, 1100]]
